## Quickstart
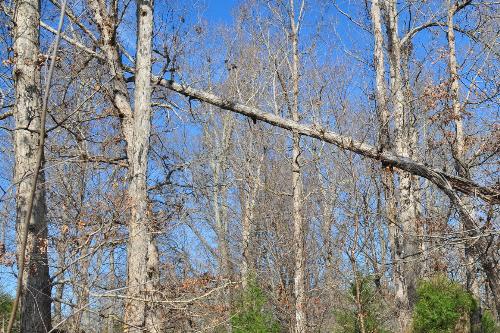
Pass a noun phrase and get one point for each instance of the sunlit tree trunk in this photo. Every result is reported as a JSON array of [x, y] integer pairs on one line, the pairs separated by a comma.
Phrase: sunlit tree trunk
[[298, 221], [416, 239], [219, 204], [139, 246], [36, 292], [405, 245], [136, 128], [385, 140], [154, 322], [459, 150]]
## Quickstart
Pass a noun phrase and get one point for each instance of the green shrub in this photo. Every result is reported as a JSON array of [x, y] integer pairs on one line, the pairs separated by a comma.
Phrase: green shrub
[[5, 304], [251, 314], [440, 305], [488, 323], [348, 320]]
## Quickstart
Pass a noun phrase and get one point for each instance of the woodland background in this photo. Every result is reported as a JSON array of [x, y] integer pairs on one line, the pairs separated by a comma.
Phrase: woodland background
[[250, 166]]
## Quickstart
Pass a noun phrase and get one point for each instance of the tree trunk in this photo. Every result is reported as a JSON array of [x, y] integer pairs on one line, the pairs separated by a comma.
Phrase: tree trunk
[[406, 245], [412, 136], [79, 317], [110, 323], [219, 205], [36, 292], [299, 282], [139, 231], [154, 324], [461, 167], [326, 231], [247, 268], [136, 131], [385, 144]]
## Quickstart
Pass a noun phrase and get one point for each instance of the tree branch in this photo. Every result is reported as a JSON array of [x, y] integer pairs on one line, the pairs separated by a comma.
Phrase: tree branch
[[72, 41], [6, 115]]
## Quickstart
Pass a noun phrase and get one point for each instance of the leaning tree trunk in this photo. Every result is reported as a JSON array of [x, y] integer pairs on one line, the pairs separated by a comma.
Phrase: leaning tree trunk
[[449, 184], [35, 293]]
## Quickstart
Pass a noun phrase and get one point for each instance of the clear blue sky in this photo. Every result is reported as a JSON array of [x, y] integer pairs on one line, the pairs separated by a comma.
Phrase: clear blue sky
[[219, 11]]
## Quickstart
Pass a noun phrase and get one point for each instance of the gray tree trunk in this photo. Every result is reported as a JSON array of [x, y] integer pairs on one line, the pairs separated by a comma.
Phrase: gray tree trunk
[[136, 129], [247, 267], [139, 232], [385, 143], [154, 324], [218, 164], [299, 279], [472, 283], [36, 292], [406, 244]]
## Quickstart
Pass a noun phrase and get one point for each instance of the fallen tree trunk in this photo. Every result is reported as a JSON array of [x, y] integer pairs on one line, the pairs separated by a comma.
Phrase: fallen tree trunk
[[490, 195]]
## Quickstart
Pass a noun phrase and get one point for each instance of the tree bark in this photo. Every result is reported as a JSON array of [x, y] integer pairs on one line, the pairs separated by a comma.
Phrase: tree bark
[[107, 23], [36, 292], [247, 268], [136, 311], [406, 246], [459, 151], [154, 323], [385, 144], [136, 129], [299, 279]]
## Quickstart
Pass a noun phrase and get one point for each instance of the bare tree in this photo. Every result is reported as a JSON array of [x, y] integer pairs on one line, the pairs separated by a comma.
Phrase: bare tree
[[290, 166], [136, 130]]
